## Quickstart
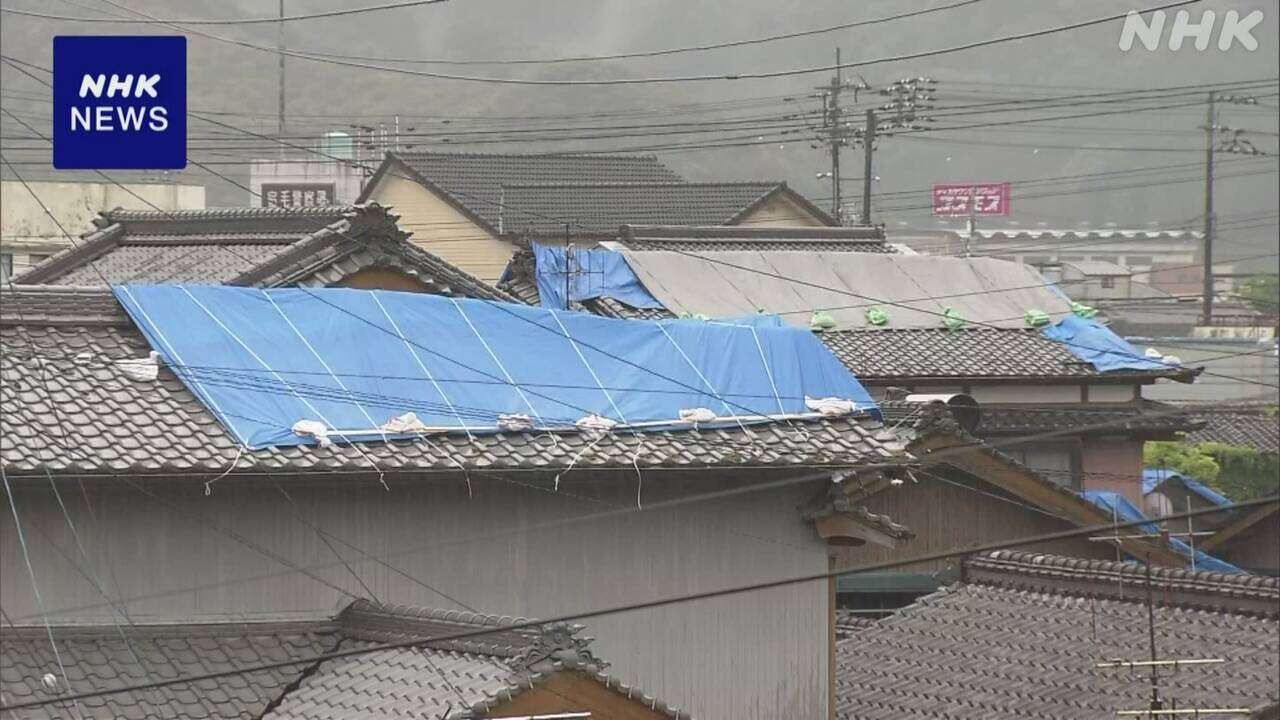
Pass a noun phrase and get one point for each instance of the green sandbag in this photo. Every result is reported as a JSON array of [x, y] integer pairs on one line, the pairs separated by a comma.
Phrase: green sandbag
[[952, 319], [1085, 311], [877, 317], [821, 320], [1036, 318]]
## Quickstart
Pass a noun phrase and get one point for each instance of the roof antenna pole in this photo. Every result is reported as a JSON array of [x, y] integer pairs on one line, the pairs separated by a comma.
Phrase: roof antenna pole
[[568, 258], [280, 108], [1151, 635]]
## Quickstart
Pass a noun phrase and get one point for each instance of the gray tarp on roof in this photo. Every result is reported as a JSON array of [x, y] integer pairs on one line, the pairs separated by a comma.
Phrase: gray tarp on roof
[[912, 289]]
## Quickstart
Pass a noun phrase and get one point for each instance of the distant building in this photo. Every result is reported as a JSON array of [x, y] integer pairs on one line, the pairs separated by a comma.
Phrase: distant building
[[303, 183], [472, 208], [30, 235]]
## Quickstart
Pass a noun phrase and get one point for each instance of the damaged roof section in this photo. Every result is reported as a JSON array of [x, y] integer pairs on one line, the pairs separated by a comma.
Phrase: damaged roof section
[[158, 426], [255, 247]]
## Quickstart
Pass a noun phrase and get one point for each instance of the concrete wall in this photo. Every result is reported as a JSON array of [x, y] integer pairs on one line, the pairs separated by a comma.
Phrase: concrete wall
[[758, 655], [1113, 464], [26, 229]]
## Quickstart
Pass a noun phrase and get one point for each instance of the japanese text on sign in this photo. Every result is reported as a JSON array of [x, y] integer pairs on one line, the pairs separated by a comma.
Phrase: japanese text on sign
[[978, 199]]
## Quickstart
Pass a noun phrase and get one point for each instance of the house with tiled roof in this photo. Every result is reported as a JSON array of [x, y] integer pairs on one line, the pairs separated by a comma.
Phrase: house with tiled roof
[[472, 208], [1025, 382], [193, 527], [390, 662], [357, 246], [1030, 635]]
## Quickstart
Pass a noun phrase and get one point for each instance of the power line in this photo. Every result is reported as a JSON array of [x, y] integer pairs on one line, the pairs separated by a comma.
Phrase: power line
[[666, 79], [650, 53], [650, 604], [231, 21]]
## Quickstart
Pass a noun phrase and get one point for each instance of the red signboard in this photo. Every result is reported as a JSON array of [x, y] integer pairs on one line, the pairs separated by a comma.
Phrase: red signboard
[[965, 199]]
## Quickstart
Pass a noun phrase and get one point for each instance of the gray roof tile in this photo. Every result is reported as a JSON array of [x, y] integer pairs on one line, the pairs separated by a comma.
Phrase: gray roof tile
[[263, 247], [475, 180], [1021, 637], [435, 679], [543, 209], [114, 423], [1255, 426]]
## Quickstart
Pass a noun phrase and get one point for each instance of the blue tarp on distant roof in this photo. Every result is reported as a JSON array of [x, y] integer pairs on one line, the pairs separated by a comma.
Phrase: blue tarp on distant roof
[[591, 273], [262, 360], [1099, 346], [1119, 507], [1153, 477]]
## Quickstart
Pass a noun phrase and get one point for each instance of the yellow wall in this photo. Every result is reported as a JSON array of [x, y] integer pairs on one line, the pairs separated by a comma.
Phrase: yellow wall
[[780, 211], [438, 227]]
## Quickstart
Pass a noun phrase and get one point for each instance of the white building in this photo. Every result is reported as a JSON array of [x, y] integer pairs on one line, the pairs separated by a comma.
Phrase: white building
[[29, 233]]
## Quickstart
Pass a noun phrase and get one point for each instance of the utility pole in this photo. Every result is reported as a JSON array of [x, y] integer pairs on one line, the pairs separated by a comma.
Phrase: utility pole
[[868, 143], [836, 139], [1219, 138], [280, 47], [1211, 131]]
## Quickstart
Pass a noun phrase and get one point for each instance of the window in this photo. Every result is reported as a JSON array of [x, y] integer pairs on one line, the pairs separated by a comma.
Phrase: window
[[1108, 282], [6, 266], [36, 258], [1139, 260]]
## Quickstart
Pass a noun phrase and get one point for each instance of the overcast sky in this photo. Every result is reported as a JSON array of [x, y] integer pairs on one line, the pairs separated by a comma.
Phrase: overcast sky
[[320, 96]]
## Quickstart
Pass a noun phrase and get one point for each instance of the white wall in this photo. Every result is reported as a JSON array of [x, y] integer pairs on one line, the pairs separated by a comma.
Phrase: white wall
[[759, 655], [25, 227]]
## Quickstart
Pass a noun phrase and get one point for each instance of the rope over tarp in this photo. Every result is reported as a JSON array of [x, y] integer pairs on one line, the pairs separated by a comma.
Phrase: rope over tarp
[[334, 361]]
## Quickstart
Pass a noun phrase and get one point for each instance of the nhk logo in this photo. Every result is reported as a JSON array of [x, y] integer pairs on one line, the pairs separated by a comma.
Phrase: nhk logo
[[1233, 29], [119, 102]]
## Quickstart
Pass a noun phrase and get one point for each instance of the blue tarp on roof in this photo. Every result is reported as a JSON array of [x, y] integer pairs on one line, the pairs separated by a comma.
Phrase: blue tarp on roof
[[1153, 477], [262, 360], [1099, 346], [590, 273], [1119, 507]]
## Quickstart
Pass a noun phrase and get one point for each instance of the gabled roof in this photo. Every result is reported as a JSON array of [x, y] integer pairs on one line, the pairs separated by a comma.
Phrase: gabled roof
[[1249, 425], [903, 356], [600, 208], [473, 182], [1019, 637], [261, 247], [90, 416], [447, 679]]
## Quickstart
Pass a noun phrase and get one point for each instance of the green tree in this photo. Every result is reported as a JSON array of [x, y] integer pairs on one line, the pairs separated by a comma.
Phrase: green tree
[[1262, 292], [1186, 459], [1236, 472]]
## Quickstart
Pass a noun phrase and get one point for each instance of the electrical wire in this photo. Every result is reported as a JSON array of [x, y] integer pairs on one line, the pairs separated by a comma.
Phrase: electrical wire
[[230, 21], [652, 604], [665, 79]]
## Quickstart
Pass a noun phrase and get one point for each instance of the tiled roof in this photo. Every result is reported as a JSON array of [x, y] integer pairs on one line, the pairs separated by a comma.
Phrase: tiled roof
[[543, 209], [114, 423], [447, 679], [1148, 416], [733, 238], [902, 355], [966, 353], [263, 247], [1253, 426], [96, 658], [475, 180], [1021, 637], [452, 680]]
